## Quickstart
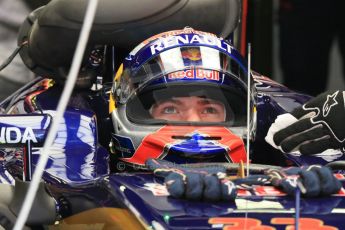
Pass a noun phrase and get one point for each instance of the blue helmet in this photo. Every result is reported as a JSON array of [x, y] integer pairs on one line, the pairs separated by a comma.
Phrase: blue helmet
[[178, 65]]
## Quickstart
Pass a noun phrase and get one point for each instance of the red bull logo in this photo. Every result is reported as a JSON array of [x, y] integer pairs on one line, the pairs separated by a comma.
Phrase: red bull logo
[[195, 73], [191, 54]]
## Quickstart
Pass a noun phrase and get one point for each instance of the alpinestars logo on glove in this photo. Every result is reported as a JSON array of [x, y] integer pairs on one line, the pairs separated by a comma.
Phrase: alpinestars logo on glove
[[330, 102]]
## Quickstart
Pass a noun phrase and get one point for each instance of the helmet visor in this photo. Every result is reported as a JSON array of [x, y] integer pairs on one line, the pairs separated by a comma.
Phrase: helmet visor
[[188, 102]]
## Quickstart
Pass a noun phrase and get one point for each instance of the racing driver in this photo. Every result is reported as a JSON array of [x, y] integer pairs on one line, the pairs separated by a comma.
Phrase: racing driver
[[180, 96]]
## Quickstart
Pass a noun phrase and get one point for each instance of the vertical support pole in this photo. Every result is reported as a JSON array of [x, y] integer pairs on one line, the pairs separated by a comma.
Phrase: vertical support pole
[[27, 161], [297, 207]]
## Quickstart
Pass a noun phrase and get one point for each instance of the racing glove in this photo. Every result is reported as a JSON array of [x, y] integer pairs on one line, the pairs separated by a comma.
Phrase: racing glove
[[313, 180], [194, 183], [312, 128]]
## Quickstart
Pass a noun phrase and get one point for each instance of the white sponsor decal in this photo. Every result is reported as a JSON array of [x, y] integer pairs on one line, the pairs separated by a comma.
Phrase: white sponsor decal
[[156, 189], [13, 135], [167, 42]]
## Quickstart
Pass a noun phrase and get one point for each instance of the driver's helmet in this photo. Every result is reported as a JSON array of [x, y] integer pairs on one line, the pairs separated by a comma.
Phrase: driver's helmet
[[181, 96]]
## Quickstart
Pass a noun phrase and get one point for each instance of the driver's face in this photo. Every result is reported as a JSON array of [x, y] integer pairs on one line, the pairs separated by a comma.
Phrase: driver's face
[[191, 109]]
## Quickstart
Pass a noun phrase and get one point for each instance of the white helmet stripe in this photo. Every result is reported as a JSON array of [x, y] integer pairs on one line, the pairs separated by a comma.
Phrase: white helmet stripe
[[210, 58], [172, 60]]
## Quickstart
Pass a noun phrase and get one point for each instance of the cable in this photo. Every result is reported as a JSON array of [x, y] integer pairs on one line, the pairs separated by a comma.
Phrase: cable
[[71, 79], [12, 56]]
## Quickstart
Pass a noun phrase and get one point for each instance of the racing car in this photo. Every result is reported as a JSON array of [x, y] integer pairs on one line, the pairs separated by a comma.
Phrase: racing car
[[95, 176]]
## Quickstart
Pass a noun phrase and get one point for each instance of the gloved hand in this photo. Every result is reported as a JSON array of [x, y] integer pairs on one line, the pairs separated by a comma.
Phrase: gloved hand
[[194, 183], [312, 128], [313, 180]]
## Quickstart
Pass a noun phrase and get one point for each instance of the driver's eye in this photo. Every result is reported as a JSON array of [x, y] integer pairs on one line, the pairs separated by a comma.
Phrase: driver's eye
[[209, 110], [169, 110]]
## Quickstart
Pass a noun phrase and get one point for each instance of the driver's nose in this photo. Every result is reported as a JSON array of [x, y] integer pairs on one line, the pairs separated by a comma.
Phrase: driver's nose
[[192, 115]]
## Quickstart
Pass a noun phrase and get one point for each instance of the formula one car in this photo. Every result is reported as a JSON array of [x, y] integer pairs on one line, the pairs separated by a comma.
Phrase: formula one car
[[96, 177]]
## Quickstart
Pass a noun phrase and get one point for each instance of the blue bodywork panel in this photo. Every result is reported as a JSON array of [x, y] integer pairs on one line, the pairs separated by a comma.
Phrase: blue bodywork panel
[[143, 193]]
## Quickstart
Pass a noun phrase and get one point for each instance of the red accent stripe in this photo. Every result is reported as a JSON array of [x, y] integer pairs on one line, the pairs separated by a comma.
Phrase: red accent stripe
[[42, 86], [153, 145]]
